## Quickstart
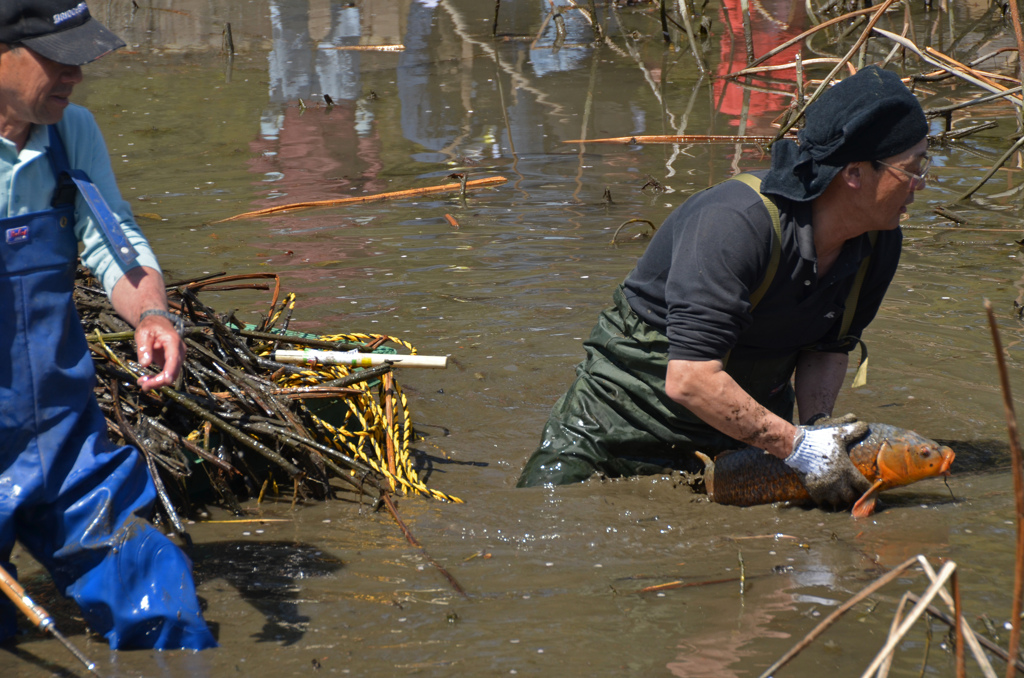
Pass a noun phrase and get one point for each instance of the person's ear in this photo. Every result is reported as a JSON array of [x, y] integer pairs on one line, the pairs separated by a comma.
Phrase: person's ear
[[852, 174]]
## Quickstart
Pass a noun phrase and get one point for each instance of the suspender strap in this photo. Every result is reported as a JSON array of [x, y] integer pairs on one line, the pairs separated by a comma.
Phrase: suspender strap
[[753, 182], [858, 282], [64, 193], [861, 377], [68, 178], [776, 255]]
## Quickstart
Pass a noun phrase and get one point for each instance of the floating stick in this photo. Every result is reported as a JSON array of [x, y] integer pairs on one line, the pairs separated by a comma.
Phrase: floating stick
[[367, 48], [412, 192], [40, 617], [677, 139], [290, 357], [682, 585], [247, 520]]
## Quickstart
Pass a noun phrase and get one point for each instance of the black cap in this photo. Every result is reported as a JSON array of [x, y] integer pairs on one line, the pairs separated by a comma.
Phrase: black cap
[[867, 116], [60, 30]]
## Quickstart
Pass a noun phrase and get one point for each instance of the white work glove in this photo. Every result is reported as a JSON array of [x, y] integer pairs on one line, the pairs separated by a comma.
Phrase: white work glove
[[821, 457]]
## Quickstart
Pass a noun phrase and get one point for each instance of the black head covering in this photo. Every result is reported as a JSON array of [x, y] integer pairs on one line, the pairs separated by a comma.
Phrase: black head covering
[[60, 30], [868, 116]]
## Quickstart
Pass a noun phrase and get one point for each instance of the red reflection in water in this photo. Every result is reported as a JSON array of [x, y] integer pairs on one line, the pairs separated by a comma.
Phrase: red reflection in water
[[720, 650], [320, 157], [316, 154], [772, 23]]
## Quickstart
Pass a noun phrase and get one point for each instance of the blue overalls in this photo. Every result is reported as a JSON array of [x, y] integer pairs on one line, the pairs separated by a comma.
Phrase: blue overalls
[[76, 501]]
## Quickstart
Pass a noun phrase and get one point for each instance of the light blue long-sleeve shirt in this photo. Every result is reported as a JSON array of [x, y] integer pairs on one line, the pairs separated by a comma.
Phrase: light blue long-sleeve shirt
[[27, 184]]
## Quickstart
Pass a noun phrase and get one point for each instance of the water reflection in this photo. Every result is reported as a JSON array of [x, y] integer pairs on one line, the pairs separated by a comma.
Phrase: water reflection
[[752, 109], [427, 116], [449, 82], [325, 147], [730, 631], [563, 43], [717, 652], [323, 150], [301, 66]]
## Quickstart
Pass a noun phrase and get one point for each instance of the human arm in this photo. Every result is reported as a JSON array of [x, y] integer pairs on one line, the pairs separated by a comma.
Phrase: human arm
[[819, 456], [135, 287], [819, 376], [87, 151], [706, 389], [720, 257], [156, 338]]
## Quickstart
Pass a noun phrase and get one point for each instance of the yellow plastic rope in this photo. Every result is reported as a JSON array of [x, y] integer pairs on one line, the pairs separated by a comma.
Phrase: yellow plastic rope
[[367, 339], [363, 432], [288, 303]]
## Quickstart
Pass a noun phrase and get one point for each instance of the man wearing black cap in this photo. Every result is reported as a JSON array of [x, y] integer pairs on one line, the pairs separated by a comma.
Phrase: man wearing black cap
[[757, 282], [77, 502]]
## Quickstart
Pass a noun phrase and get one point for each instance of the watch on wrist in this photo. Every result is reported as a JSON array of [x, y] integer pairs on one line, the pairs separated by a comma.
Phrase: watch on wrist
[[179, 324]]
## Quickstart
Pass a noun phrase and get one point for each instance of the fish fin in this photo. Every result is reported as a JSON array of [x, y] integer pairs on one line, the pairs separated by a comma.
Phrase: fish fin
[[709, 474], [865, 506], [883, 463]]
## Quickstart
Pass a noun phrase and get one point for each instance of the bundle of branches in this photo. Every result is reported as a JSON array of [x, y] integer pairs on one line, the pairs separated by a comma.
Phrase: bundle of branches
[[236, 425]]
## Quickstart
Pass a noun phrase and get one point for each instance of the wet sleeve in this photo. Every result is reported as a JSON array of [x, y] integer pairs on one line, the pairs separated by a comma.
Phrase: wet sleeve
[[88, 152], [720, 255]]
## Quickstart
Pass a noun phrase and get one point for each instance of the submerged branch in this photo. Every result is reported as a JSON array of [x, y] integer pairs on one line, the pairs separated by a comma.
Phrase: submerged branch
[[393, 195]]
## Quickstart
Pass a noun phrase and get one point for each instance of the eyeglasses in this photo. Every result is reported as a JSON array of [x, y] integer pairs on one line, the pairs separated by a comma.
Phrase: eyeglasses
[[920, 176]]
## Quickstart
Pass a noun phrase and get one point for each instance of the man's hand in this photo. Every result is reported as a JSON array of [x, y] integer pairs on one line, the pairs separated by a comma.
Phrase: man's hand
[[157, 341], [138, 293], [821, 457]]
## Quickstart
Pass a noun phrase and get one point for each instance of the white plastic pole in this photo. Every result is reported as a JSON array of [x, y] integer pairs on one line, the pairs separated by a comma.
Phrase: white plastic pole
[[312, 358]]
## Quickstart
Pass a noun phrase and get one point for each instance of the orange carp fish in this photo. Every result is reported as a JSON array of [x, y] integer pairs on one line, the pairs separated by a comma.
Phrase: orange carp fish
[[888, 457]]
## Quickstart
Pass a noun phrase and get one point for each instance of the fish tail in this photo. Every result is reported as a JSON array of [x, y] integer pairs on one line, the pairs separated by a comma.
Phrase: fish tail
[[709, 474]]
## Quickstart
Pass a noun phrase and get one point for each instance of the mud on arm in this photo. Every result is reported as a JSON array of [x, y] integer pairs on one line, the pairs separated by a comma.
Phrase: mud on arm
[[707, 390]]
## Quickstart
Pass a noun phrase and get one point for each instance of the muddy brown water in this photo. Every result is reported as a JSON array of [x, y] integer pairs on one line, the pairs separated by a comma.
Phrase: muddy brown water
[[553, 575]]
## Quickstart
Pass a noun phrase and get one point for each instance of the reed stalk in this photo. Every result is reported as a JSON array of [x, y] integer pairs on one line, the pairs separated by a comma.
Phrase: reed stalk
[[836, 614], [1018, 488], [392, 195]]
